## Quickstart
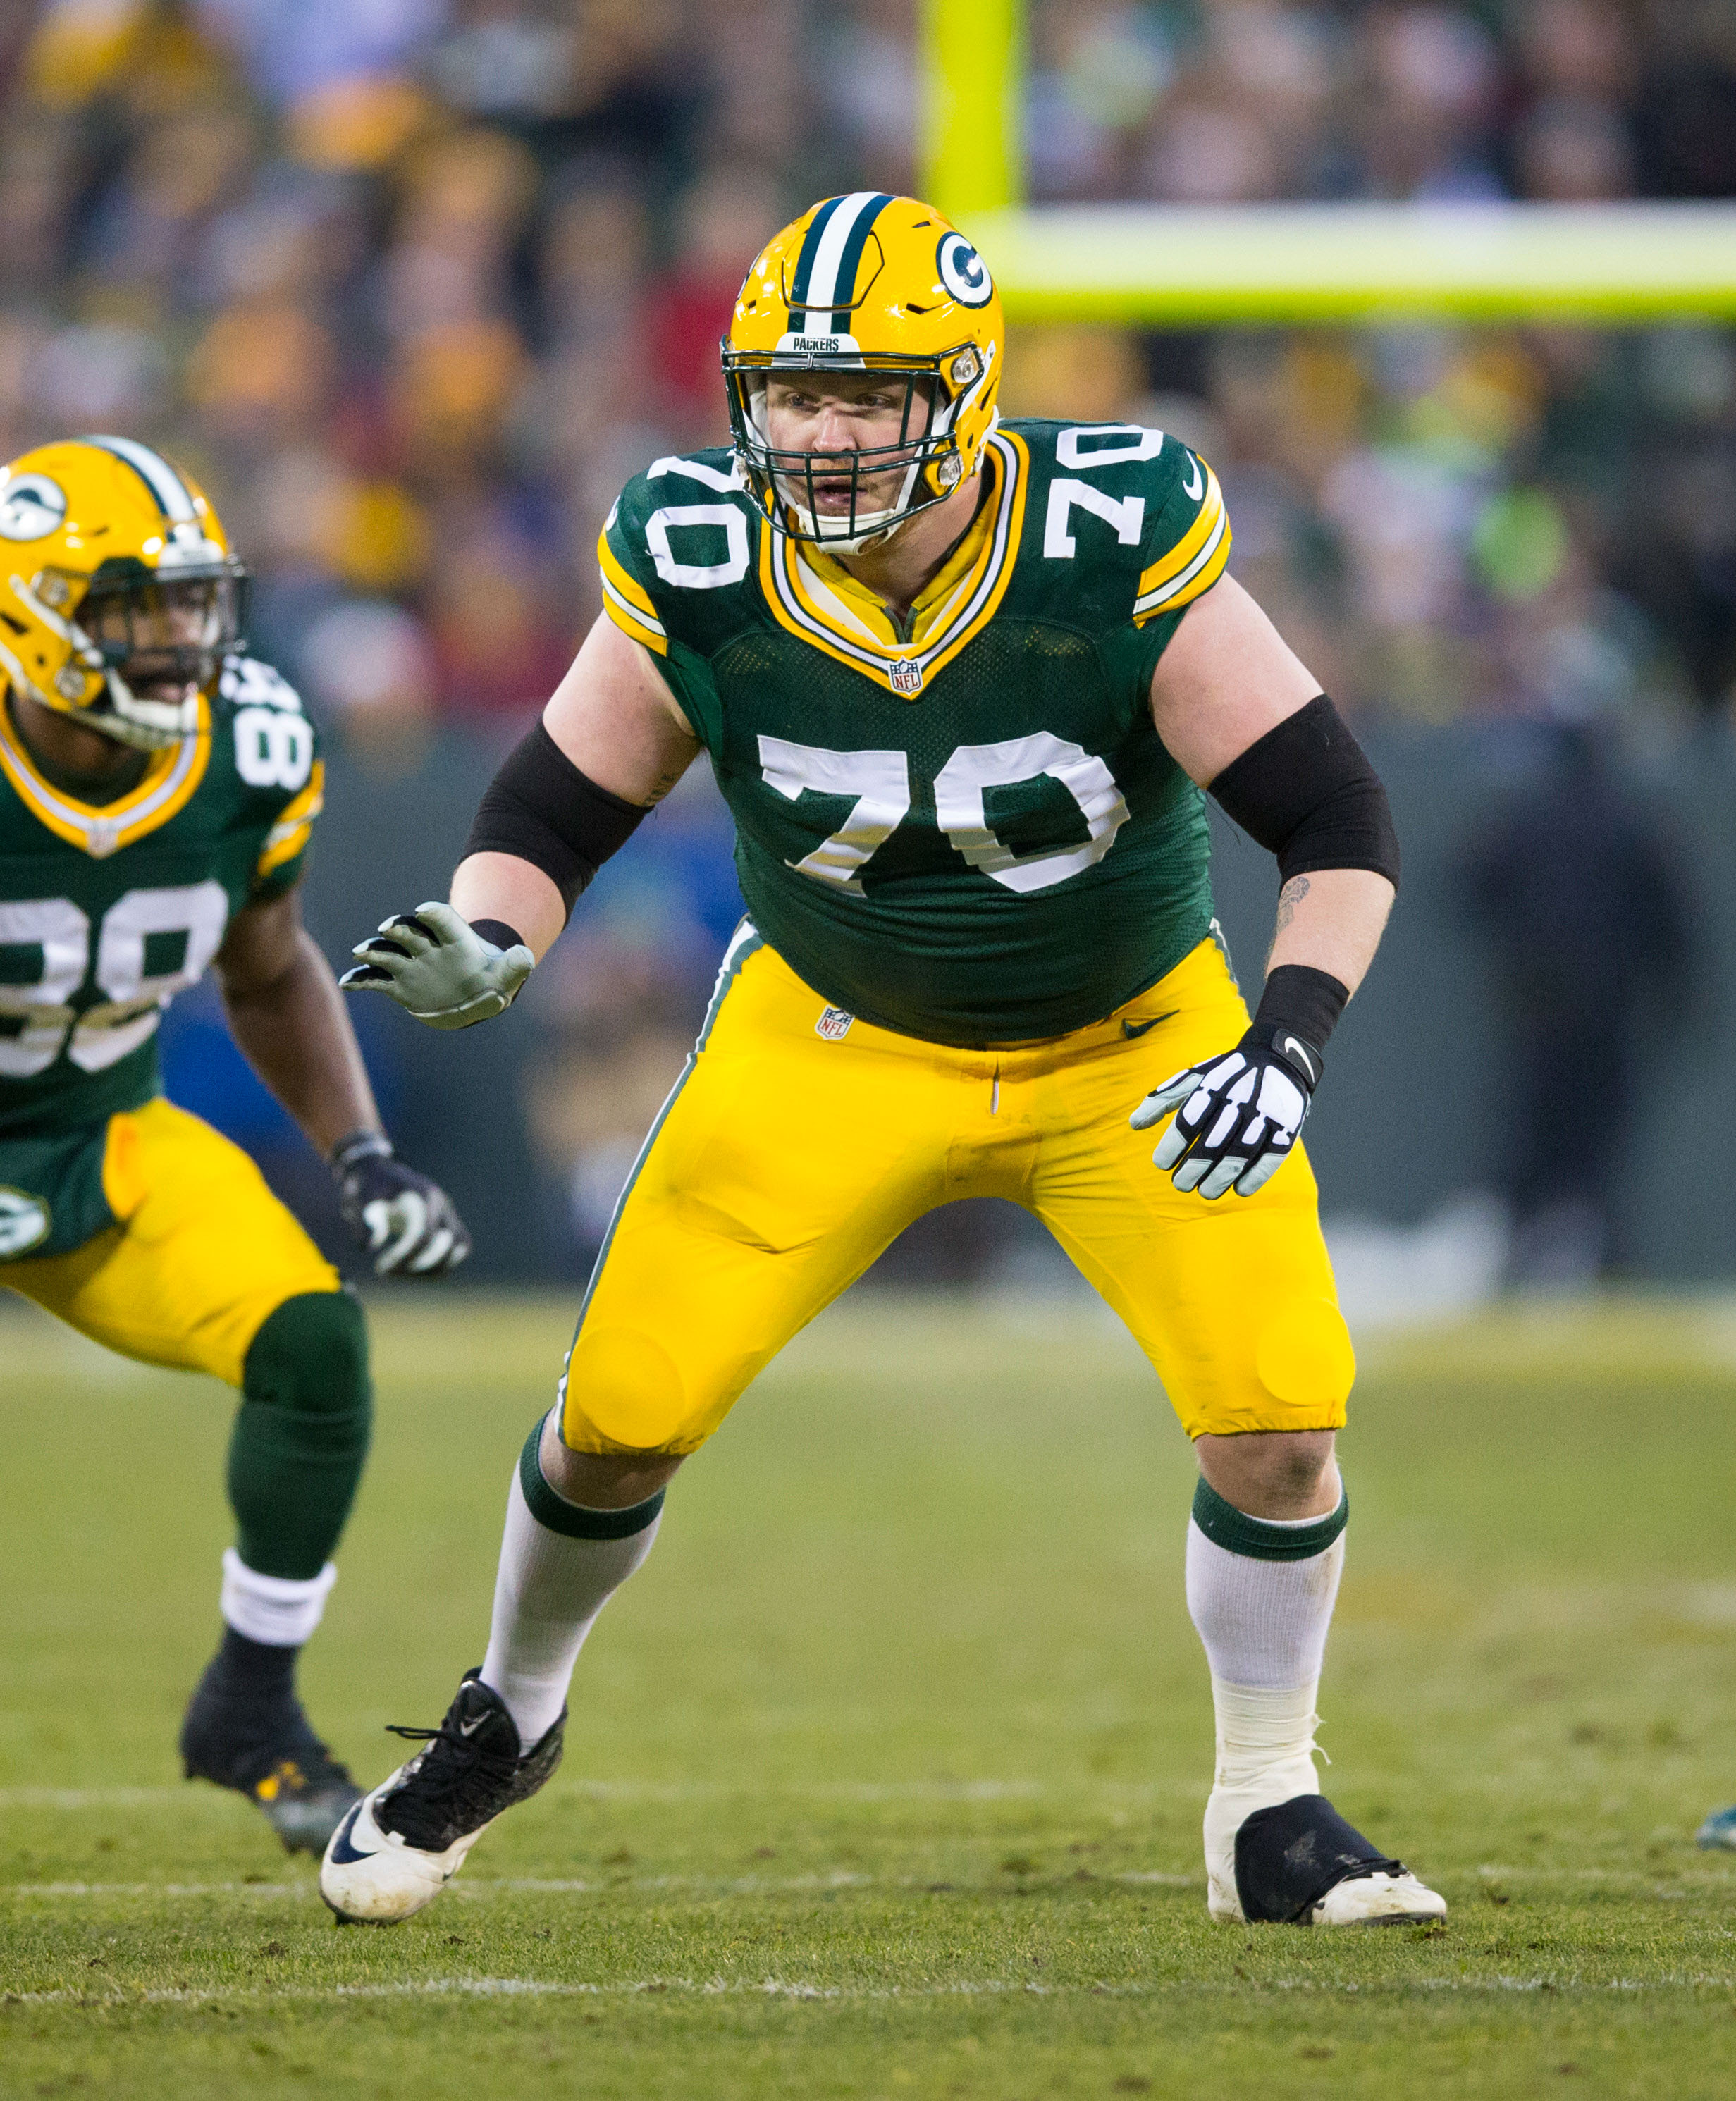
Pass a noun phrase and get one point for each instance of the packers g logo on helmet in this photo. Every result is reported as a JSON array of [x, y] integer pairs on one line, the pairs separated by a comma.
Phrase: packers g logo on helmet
[[867, 283], [31, 507], [116, 578]]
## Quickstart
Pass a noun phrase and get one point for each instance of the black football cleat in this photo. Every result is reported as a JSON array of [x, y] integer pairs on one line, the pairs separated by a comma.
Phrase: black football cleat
[[265, 1747]]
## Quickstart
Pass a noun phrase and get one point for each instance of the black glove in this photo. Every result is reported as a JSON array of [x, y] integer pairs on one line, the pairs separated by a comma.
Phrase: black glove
[[1237, 1116], [405, 1221]]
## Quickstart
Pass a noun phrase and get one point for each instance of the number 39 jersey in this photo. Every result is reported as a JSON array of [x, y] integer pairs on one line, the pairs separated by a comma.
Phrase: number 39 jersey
[[107, 911], [963, 826]]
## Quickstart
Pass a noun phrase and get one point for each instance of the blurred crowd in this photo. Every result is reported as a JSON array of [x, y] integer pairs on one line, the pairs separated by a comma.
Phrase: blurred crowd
[[414, 285]]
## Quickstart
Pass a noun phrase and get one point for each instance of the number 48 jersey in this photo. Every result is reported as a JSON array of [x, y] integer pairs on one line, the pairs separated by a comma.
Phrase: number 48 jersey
[[963, 826], [107, 911]]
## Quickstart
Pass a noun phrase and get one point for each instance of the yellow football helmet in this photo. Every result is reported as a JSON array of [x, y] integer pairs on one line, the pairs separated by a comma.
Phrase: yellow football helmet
[[119, 596], [867, 283]]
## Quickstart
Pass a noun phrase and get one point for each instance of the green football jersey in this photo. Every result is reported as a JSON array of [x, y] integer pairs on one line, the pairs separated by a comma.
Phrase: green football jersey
[[107, 911], [964, 828]]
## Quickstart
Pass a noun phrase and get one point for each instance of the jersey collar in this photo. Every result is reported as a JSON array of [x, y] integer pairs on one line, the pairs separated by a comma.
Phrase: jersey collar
[[817, 599], [100, 830]]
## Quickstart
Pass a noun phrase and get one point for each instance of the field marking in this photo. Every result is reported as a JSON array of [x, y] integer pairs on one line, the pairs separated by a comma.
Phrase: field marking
[[629, 1790], [481, 1885], [778, 1987]]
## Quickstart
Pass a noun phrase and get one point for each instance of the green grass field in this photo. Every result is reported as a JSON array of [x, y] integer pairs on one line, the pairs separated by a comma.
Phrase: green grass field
[[884, 1778]]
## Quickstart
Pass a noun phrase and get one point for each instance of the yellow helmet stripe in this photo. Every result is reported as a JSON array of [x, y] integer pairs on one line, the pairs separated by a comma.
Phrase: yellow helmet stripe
[[832, 256], [167, 489]]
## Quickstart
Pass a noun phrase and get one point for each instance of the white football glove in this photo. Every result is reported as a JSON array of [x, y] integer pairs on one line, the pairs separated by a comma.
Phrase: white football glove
[[439, 968], [1237, 1116]]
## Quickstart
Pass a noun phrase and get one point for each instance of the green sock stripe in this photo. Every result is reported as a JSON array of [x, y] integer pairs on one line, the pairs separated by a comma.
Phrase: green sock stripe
[[1236, 1533], [559, 1515]]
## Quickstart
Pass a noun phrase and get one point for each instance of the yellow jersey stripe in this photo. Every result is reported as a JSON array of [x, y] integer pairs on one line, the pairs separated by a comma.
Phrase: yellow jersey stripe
[[633, 624], [1200, 575], [631, 589], [294, 827], [169, 783], [967, 608], [828, 589], [1211, 512], [626, 605]]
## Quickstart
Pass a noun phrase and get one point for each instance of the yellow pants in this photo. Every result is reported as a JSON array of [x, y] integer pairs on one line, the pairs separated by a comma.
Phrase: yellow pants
[[202, 1256], [788, 1159]]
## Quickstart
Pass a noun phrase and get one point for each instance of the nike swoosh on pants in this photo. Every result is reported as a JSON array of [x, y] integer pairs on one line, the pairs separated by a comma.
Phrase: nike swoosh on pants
[[1139, 1028]]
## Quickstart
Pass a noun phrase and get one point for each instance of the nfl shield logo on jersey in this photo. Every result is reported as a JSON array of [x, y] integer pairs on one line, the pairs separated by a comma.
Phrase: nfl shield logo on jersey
[[834, 1023], [905, 679]]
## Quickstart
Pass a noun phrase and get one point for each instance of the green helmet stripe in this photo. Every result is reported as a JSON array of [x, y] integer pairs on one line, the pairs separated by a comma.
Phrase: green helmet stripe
[[168, 491]]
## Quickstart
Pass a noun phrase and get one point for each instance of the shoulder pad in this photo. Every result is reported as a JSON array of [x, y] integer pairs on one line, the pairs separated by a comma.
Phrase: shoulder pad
[[248, 682], [685, 526], [1133, 503], [716, 468]]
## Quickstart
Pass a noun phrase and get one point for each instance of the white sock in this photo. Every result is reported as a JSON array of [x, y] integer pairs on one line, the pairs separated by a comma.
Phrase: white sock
[[552, 1582], [279, 1610], [1263, 1621]]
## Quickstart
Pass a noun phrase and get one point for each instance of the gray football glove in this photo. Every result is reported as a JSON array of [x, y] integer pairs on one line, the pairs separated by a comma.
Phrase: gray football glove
[[439, 968], [1238, 1116]]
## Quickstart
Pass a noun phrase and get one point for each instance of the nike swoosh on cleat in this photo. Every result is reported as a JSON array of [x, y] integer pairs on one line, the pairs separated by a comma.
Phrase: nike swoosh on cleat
[[342, 1853], [1139, 1028]]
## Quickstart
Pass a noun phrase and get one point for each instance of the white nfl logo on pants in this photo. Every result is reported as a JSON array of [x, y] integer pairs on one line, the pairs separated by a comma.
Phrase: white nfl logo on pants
[[834, 1023]]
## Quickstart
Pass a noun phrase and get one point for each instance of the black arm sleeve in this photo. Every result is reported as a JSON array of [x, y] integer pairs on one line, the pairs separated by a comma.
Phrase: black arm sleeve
[[1307, 792], [543, 808]]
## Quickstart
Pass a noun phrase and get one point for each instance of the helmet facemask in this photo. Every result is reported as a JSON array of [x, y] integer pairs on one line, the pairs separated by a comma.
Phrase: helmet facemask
[[155, 639], [789, 482]]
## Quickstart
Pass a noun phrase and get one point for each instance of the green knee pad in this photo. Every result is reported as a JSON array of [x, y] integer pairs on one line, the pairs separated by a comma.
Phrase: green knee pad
[[301, 1436]]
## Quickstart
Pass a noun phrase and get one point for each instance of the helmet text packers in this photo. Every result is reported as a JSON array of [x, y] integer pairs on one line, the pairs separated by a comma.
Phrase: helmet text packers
[[875, 285], [119, 597]]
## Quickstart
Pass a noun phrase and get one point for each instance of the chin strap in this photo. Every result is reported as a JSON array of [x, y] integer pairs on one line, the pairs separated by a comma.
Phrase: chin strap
[[146, 725]]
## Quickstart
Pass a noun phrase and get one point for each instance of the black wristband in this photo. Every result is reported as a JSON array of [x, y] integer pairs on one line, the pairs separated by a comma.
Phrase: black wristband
[[1297, 1013], [498, 931], [359, 1145]]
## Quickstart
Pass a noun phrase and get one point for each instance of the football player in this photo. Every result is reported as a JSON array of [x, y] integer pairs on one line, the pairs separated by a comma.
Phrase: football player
[[962, 684], [157, 788]]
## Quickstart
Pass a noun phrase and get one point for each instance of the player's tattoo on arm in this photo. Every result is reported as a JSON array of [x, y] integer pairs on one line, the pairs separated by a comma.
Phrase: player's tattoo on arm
[[1288, 899]]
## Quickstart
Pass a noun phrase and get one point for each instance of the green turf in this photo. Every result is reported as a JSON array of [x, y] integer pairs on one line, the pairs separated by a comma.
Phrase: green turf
[[886, 1774]]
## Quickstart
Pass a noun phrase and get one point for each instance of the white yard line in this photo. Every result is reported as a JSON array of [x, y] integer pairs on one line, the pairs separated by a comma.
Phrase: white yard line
[[777, 1987], [481, 1885], [76, 1798]]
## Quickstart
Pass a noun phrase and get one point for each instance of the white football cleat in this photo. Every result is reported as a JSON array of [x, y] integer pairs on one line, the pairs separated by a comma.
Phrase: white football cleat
[[376, 1877], [1385, 1898], [1298, 1862], [398, 1848]]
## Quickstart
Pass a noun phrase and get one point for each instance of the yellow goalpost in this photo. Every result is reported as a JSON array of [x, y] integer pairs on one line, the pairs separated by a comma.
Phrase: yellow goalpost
[[1160, 264]]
